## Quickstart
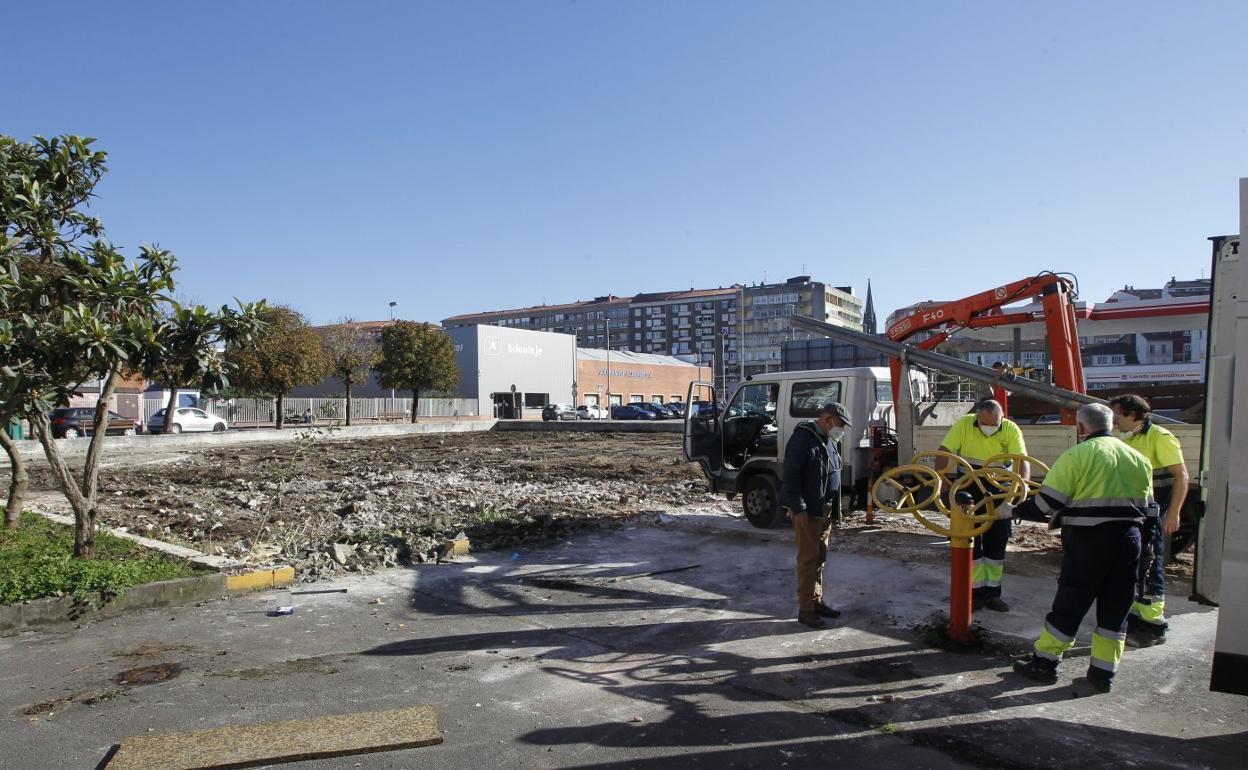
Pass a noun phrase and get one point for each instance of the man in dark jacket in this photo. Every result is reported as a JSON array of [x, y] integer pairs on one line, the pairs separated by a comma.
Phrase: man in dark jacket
[[811, 496]]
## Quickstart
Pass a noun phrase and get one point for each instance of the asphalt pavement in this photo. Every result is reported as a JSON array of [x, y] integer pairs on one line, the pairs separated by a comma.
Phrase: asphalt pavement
[[569, 655]]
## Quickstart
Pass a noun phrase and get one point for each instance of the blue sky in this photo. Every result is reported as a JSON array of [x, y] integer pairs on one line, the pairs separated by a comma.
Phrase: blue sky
[[462, 156]]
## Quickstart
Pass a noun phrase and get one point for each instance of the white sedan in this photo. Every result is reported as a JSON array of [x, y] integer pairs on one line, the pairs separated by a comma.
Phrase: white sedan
[[186, 420], [591, 412]]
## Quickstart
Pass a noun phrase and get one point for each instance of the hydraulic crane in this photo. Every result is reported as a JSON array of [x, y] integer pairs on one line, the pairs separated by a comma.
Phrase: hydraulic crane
[[983, 310]]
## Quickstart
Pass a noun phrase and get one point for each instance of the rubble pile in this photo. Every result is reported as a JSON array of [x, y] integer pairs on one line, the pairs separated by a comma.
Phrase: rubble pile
[[339, 506]]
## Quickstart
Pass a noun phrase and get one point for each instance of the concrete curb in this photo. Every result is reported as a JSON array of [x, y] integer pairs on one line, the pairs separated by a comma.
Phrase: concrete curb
[[592, 426], [166, 593], [196, 559], [77, 447]]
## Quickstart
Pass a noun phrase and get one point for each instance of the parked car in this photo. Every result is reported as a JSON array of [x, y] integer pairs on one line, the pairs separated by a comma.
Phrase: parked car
[[73, 422], [704, 409], [591, 412], [677, 408], [559, 412], [186, 420], [656, 409], [631, 412]]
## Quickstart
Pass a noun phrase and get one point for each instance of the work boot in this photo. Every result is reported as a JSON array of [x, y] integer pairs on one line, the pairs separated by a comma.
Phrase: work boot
[[811, 619], [824, 611], [977, 603], [1086, 686], [1037, 669], [1137, 637], [996, 604]]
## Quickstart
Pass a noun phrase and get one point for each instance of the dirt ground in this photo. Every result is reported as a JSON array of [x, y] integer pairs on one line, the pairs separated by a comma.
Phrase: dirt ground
[[329, 506]]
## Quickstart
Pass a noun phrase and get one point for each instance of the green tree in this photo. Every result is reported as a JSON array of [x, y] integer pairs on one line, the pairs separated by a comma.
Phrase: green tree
[[80, 317], [285, 354], [184, 350], [42, 185], [416, 357], [350, 353]]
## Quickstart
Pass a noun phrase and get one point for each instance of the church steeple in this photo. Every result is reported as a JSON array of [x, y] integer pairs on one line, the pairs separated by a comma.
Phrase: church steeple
[[868, 313]]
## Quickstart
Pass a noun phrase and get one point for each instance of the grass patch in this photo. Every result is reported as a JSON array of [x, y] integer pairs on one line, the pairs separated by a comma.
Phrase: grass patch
[[36, 561]]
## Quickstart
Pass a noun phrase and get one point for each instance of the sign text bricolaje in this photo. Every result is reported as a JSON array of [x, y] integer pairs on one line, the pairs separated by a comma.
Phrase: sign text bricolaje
[[624, 373], [494, 346]]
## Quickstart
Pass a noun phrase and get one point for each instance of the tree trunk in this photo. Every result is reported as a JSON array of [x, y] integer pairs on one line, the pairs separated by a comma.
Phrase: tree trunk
[[91, 468], [170, 409], [84, 514], [281, 408], [348, 384], [415, 404], [17, 482]]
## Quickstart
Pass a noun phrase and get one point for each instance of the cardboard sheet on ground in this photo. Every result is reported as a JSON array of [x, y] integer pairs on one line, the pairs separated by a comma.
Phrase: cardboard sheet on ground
[[339, 735]]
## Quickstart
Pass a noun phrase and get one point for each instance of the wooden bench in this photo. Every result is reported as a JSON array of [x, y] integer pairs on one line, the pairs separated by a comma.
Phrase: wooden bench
[[393, 416]]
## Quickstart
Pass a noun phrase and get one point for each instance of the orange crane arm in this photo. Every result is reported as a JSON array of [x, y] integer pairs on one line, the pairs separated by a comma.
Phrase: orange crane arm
[[977, 311]]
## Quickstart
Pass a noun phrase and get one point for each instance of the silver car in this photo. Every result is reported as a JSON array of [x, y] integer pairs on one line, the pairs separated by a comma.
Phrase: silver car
[[591, 412], [187, 420]]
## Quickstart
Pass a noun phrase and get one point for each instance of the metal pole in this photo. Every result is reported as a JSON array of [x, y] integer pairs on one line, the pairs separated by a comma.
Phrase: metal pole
[[1050, 394]]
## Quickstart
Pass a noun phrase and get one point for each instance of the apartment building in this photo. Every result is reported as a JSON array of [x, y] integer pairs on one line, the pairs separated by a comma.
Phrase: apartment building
[[596, 323], [735, 331], [768, 308]]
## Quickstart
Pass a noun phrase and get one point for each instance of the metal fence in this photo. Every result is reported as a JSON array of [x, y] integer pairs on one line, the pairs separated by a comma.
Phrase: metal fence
[[264, 410]]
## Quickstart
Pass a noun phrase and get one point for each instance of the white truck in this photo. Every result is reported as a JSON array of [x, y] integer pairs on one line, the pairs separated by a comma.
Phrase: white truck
[[741, 447]]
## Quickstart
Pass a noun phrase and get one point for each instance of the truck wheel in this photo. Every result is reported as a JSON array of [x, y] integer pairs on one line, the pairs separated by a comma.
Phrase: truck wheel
[[761, 501]]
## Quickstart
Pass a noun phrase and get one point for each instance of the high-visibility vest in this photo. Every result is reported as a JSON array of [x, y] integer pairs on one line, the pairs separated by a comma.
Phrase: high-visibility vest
[[1098, 481], [1160, 447], [966, 440]]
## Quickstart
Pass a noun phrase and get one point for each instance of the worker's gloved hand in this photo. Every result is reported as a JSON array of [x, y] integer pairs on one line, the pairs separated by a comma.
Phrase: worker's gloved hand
[[1005, 511]]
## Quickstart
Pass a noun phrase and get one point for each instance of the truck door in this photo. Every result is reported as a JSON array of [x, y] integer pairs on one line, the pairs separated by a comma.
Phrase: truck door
[[704, 442]]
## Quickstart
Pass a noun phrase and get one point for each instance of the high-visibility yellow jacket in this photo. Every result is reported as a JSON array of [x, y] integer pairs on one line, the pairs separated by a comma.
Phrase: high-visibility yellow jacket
[[1101, 480], [966, 440], [1160, 447]]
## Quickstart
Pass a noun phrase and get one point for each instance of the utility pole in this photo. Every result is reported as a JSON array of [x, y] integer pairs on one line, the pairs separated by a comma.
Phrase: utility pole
[[741, 336]]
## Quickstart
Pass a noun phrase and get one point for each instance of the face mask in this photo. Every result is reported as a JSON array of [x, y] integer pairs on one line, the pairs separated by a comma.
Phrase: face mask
[[835, 434], [988, 430]]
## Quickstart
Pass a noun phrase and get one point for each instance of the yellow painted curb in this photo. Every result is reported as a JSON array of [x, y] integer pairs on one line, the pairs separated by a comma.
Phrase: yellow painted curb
[[258, 581]]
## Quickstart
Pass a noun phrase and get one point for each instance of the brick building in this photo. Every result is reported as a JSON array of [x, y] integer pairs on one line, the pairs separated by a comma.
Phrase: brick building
[[620, 377]]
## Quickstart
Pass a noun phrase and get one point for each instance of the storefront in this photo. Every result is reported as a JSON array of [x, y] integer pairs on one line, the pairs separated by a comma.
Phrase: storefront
[[620, 377], [513, 373]]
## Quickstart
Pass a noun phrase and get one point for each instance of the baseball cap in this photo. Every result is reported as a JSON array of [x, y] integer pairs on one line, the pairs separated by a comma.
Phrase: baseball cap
[[835, 410]]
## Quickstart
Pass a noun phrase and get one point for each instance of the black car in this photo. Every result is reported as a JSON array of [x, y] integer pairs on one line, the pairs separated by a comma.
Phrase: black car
[[74, 422], [631, 412], [677, 408], [559, 412], [656, 409]]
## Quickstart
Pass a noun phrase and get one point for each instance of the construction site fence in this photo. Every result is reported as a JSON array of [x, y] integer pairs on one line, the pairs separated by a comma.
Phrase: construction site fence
[[264, 410]]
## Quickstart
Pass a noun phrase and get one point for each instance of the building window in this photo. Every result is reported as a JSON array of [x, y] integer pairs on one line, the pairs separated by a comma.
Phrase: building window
[[536, 400], [636, 398], [656, 399]]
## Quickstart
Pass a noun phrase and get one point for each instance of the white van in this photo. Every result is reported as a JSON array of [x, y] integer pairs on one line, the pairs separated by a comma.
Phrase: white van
[[740, 447]]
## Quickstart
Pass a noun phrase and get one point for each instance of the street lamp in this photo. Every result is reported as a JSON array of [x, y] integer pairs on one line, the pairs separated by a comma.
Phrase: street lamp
[[393, 305]]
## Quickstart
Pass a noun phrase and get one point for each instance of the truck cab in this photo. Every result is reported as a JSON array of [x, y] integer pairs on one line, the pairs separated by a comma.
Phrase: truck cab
[[740, 444]]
